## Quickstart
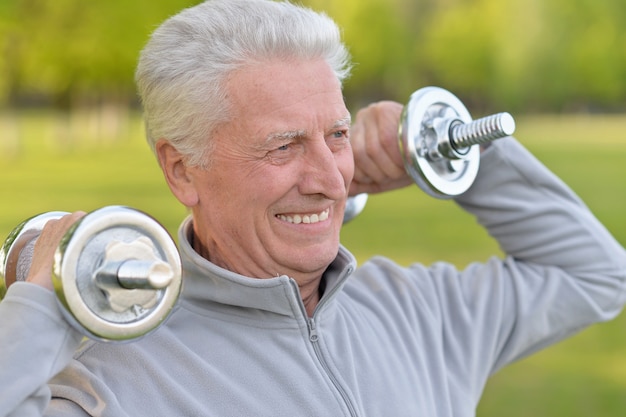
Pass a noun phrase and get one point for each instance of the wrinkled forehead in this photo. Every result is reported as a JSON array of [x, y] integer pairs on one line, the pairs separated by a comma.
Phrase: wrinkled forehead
[[286, 98], [280, 81]]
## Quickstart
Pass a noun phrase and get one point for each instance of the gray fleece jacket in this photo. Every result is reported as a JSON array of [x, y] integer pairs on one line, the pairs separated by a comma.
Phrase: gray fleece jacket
[[385, 340]]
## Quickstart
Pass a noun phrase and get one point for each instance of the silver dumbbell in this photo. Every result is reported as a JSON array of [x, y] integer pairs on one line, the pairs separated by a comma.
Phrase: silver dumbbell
[[440, 144], [117, 273]]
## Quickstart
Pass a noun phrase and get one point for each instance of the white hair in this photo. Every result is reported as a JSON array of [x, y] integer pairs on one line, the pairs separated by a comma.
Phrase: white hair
[[182, 70]]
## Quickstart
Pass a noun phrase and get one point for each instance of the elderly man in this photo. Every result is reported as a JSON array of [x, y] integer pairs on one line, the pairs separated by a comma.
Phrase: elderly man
[[244, 111]]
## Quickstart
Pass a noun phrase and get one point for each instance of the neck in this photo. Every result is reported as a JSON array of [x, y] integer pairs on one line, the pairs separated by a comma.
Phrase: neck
[[310, 288], [311, 295]]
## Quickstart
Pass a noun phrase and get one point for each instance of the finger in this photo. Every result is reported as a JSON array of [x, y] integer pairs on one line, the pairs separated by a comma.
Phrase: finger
[[375, 145], [388, 114], [377, 149], [364, 140], [45, 248]]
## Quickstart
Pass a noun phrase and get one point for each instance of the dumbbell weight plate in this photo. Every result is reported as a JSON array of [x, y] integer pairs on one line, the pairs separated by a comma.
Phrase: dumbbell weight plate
[[20, 240], [443, 178], [354, 206], [84, 249]]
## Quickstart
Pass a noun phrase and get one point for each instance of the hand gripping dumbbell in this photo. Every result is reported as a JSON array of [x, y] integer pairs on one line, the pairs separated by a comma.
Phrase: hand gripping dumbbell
[[117, 272], [440, 144]]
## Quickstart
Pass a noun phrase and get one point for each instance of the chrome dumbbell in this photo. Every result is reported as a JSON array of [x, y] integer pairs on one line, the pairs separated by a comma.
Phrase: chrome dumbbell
[[440, 144], [117, 273]]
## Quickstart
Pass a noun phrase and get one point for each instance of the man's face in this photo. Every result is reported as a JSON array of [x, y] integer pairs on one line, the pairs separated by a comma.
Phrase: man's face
[[272, 201]]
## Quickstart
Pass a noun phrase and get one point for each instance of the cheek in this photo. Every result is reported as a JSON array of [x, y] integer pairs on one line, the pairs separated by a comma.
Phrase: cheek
[[218, 197]]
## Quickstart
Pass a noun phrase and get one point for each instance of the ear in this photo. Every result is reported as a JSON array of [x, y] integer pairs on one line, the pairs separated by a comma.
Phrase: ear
[[177, 173]]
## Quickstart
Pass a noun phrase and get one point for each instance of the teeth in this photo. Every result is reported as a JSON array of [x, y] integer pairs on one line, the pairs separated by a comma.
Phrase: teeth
[[305, 218]]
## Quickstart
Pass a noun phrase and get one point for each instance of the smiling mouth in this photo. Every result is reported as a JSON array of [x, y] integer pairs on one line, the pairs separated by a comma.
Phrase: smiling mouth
[[304, 218]]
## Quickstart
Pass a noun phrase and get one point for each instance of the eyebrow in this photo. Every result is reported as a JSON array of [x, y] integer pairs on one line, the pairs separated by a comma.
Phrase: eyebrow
[[292, 134], [281, 136]]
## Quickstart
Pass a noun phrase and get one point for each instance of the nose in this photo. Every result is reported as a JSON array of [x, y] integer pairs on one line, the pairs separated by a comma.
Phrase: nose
[[325, 171]]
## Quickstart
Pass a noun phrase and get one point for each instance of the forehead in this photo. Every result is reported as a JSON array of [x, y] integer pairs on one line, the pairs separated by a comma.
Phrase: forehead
[[288, 95]]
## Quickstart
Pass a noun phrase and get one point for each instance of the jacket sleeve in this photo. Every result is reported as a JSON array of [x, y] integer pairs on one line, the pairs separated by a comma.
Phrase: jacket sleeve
[[562, 270], [35, 344]]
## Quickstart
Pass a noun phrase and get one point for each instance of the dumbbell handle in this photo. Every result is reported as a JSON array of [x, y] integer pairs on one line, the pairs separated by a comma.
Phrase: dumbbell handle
[[454, 137], [136, 274], [129, 274], [481, 131]]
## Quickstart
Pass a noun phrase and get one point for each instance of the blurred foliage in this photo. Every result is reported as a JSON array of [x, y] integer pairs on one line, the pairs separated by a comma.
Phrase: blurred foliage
[[523, 55], [519, 55], [72, 52]]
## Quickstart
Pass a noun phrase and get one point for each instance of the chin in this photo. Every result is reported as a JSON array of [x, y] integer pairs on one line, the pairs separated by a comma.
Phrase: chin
[[320, 262]]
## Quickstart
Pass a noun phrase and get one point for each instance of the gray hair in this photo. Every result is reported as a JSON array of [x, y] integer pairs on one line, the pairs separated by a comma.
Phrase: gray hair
[[182, 70]]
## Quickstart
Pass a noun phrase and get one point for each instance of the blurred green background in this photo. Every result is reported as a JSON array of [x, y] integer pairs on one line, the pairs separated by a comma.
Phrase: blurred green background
[[71, 135]]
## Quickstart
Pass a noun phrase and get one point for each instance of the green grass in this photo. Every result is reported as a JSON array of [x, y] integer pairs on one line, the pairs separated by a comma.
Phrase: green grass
[[58, 163]]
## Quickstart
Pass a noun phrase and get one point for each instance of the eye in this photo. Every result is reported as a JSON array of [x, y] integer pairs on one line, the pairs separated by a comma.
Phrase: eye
[[282, 153], [340, 134], [338, 140]]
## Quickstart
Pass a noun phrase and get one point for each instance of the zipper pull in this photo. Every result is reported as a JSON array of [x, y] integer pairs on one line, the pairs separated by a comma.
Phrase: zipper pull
[[313, 336]]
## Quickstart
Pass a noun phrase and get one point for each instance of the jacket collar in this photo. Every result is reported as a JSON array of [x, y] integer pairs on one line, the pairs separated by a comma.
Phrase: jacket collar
[[205, 282]]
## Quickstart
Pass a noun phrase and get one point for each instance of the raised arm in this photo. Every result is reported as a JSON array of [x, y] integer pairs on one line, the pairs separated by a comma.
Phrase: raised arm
[[36, 342], [562, 270]]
